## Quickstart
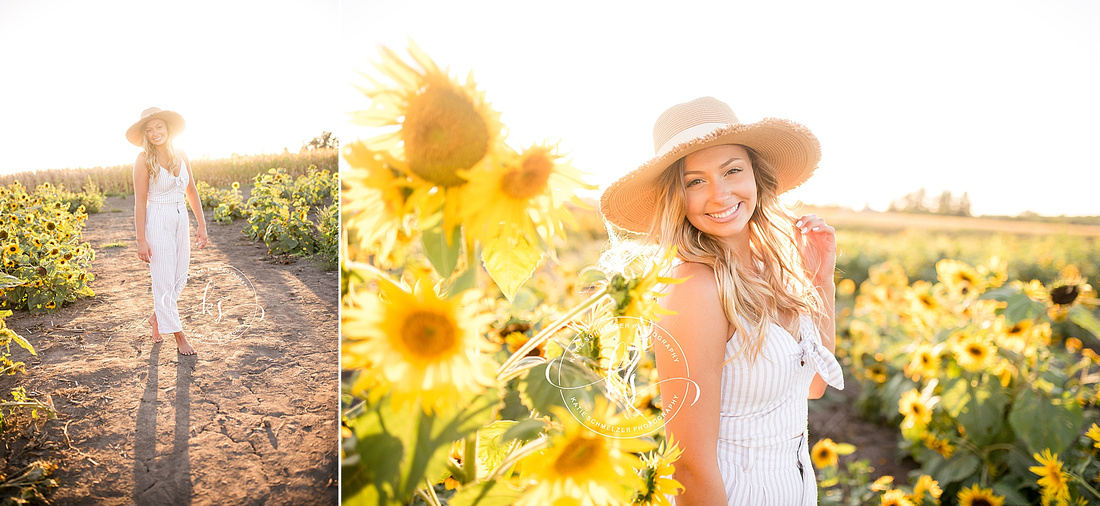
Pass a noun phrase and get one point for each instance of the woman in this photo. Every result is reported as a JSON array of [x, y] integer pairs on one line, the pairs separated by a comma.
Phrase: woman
[[754, 318], [162, 181]]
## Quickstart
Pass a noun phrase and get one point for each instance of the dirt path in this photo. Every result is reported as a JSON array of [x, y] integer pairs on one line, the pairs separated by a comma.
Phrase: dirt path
[[251, 420]]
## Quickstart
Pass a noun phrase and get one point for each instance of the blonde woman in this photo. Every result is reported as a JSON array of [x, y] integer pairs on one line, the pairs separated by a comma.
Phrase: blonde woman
[[163, 181], [754, 318]]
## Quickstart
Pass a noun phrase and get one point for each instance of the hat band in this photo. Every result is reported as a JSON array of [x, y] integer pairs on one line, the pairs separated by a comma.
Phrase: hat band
[[687, 135]]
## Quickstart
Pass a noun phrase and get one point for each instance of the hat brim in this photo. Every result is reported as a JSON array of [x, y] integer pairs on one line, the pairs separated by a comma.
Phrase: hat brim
[[789, 147], [175, 122]]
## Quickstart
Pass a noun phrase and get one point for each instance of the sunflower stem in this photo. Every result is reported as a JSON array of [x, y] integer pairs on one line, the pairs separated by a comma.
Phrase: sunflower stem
[[469, 458], [1084, 483], [431, 493], [548, 331]]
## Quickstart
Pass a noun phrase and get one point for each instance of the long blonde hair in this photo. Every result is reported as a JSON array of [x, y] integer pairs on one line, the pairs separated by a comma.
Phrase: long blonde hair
[[748, 296], [152, 164]]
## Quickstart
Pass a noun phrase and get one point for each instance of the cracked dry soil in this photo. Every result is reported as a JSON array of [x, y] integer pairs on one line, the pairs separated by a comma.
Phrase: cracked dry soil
[[252, 419]]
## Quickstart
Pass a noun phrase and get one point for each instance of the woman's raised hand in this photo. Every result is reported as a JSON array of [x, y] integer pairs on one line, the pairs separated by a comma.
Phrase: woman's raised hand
[[821, 239]]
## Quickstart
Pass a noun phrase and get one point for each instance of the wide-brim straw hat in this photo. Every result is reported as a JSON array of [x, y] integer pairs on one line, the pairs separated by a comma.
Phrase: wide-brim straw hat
[[789, 147], [173, 119]]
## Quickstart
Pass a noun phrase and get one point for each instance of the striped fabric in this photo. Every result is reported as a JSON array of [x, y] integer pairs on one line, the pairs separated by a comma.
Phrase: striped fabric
[[762, 442], [168, 232]]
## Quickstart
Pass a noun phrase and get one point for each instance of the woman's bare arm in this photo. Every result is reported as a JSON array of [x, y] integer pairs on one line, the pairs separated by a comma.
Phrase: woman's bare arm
[[697, 337], [192, 194], [141, 196]]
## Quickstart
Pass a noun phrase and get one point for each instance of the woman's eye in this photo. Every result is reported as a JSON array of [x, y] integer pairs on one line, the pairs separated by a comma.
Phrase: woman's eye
[[693, 182], [733, 170]]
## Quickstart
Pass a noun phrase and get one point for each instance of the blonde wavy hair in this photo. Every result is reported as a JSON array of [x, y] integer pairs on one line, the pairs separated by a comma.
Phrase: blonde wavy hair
[[782, 285], [152, 163]]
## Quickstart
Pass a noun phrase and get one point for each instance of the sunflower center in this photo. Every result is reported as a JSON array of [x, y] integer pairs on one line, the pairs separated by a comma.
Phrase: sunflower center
[[1064, 294], [975, 351], [980, 501], [428, 335], [578, 456], [443, 134], [528, 180]]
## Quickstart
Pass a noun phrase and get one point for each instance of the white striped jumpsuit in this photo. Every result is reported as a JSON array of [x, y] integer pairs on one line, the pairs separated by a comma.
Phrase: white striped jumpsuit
[[762, 442], [167, 230]]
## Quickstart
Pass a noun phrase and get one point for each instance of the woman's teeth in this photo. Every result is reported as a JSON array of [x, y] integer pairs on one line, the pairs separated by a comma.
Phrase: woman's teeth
[[725, 213]]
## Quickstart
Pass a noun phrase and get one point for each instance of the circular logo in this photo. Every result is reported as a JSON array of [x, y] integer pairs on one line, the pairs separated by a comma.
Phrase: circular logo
[[608, 382], [219, 304]]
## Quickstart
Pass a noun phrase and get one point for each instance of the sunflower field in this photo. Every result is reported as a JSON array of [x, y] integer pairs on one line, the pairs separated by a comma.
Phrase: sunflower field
[[279, 211], [40, 232], [279, 208], [993, 396]]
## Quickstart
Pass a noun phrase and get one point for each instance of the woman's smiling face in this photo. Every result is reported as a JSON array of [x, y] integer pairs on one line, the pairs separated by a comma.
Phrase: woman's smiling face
[[156, 130], [720, 192]]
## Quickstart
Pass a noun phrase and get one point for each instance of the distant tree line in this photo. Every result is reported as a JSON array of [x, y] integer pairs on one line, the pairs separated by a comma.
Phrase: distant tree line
[[945, 204], [324, 141]]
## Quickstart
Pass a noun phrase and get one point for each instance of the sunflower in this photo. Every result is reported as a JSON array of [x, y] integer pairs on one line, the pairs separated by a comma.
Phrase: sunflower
[[924, 296], [378, 202], [959, 278], [895, 497], [824, 454], [917, 410], [925, 363], [636, 297], [940, 446], [445, 126], [421, 346], [973, 353], [1051, 477], [527, 190], [1094, 434], [978, 496], [657, 475], [236, 185], [12, 249], [877, 372], [583, 466], [926, 485]]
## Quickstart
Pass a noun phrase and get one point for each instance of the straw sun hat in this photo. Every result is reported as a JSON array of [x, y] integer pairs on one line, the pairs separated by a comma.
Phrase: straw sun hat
[[685, 128], [173, 119]]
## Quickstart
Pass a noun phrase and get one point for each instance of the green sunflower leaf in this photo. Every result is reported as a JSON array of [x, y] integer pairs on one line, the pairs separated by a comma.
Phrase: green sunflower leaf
[[442, 249], [1085, 319], [510, 259], [1044, 423], [399, 448]]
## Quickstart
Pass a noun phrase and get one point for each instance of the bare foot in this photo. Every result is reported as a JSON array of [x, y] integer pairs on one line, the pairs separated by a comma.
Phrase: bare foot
[[182, 345], [156, 332]]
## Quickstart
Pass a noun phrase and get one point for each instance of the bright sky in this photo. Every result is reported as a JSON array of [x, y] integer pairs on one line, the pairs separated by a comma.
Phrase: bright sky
[[249, 77], [995, 98]]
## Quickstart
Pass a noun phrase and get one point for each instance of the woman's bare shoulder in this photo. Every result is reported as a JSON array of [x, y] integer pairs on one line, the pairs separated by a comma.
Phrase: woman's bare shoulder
[[697, 295], [139, 163], [698, 279]]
